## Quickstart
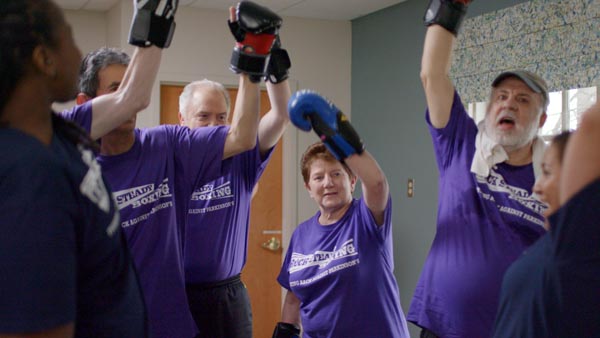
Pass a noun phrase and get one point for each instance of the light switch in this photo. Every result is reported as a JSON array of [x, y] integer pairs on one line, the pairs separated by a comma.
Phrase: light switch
[[410, 188]]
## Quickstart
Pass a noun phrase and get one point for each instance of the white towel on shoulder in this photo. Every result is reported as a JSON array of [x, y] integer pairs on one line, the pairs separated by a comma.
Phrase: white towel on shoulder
[[489, 153]]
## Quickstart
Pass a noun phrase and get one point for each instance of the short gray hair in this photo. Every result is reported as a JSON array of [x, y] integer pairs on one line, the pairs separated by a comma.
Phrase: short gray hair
[[190, 88], [94, 62]]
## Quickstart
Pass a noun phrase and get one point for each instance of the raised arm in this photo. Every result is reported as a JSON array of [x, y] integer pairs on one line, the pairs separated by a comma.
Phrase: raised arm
[[581, 165], [443, 18], [255, 29], [242, 133], [375, 187], [133, 95], [273, 124], [309, 110], [152, 29]]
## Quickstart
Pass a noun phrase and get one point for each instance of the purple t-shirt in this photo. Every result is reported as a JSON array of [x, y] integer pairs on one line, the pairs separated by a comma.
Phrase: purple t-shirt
[[343, 275], [81, 114], [484, 224], [148, 183], [216, 235]]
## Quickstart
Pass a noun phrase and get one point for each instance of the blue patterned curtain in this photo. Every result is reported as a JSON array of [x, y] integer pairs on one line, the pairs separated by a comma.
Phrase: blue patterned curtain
[[559, 40]]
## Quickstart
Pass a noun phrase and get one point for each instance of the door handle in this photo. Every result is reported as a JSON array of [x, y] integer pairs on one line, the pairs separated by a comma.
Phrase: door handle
[[272, 244]]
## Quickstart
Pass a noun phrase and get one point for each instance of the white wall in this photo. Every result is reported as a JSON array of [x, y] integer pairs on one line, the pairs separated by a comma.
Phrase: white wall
[[320, 51]]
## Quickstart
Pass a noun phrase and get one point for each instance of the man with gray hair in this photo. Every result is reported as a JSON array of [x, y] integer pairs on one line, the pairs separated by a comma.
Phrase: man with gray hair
[[487, 212], [150, 171], [216, 233]]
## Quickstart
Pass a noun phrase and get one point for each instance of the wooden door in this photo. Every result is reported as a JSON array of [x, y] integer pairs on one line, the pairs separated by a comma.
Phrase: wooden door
[[262, 266]]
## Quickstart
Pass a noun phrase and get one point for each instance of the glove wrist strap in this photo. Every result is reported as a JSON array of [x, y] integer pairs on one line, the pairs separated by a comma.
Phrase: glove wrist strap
[[279, 64], [445, 13], [251, 64], [286, 330]]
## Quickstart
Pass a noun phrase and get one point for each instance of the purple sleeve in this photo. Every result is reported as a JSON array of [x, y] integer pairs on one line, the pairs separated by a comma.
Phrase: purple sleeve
[[366, 217], [263, 160], [200, 152], [284, 276], [458, 133], [37, 264], [255, 164], [81, 114]]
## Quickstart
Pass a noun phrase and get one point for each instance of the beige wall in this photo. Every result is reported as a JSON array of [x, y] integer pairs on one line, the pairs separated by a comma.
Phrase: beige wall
[[320, 51]]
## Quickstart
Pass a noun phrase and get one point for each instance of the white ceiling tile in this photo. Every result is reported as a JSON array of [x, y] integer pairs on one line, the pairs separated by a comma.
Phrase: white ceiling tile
[[274, 5], [70, 4], [100, 5], [317, 9], [337, 9]]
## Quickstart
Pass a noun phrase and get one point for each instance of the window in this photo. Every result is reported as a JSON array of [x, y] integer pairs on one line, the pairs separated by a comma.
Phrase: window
[[564, 110]]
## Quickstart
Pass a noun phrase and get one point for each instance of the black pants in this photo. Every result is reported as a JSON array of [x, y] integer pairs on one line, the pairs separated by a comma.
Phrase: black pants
[[221, 309]]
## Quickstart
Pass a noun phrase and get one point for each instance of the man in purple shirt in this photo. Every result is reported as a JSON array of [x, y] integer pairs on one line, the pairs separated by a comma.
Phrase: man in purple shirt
[[216, 233], [487, 214], [149, 171], [152, 172]]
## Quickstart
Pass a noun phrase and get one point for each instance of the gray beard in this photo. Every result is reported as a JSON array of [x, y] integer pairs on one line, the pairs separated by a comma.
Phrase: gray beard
[[512, 142]]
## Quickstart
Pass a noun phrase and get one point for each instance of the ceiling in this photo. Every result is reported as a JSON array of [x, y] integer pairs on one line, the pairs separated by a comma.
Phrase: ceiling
[[316, 9]]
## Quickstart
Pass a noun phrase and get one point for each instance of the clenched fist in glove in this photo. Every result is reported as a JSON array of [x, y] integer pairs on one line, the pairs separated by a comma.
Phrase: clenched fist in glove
[[286, 330], [308, 110], [255, 29], [446, 13], [153, 23]]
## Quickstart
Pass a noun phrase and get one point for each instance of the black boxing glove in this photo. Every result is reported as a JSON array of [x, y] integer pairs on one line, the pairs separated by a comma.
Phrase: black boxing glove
[[286, 330], [255, 30], [153, 23], [446, 13], [279, 63]]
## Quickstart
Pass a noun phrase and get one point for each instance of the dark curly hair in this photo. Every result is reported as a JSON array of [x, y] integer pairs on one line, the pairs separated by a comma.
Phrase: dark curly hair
[[24, 25]]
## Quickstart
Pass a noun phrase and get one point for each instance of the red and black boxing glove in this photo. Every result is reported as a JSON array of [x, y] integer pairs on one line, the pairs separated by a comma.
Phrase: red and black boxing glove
[[279, 64], [446, 13], [255, 30]]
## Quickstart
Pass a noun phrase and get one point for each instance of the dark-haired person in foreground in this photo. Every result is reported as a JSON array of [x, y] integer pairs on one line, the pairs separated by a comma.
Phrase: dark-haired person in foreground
[[66, 270], [153, 172]]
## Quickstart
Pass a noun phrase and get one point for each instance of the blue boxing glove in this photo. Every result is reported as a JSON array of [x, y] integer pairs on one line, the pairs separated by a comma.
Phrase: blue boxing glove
[[153, 23], [310, 110]]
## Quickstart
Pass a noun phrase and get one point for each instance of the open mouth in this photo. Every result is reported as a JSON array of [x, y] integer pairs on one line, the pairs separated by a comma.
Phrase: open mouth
[[506, 122]]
